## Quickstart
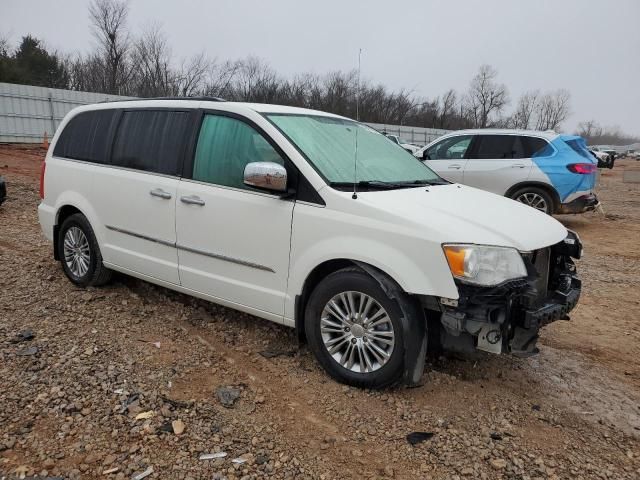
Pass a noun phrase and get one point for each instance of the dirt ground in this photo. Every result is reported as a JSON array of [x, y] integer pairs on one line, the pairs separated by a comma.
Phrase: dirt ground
[[95, 392]]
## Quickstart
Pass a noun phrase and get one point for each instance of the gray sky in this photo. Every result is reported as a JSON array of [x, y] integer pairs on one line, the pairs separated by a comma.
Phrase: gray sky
[[591, 48]]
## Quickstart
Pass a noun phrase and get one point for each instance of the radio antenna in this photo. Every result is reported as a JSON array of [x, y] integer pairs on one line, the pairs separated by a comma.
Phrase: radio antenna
[[355, 154]]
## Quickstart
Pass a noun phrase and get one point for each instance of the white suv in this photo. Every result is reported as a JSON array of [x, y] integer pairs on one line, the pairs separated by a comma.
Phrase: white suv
[[551, 172], [253, 207]]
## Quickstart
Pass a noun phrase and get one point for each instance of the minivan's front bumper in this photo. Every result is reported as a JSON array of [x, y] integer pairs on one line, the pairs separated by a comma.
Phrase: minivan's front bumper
[[507, 318]]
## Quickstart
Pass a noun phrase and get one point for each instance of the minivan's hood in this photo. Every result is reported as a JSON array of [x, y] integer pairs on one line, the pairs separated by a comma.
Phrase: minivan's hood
[[458, 213]]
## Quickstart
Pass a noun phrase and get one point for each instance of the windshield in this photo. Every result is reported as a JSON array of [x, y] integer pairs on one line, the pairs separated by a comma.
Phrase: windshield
[[330, 143]]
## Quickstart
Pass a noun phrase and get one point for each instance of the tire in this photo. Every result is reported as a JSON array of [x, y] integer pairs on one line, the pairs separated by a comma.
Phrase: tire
[[80, 256], [370, 369], [535, 196]]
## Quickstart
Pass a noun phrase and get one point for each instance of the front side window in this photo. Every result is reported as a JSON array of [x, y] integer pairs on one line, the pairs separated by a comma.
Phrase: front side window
[[151, 141], [329, 143], [450, 148], [496, 147], [225, 147]]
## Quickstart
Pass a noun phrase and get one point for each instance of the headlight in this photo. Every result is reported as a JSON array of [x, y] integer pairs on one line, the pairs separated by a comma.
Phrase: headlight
[[484, 265]]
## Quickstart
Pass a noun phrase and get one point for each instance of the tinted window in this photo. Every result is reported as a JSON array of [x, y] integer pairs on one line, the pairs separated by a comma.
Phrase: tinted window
[[151, 140], [578, 146], [86, 137], [225, 146], [450, 148], [537, 147], [499, 146]]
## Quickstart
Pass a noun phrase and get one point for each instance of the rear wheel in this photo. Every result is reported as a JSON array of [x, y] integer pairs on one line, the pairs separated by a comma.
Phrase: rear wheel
[[79, 253], [354, 330], [536, 198]]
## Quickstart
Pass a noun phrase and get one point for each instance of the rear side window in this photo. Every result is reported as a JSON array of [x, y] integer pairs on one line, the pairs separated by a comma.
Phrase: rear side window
[[578, 146], [151, 140], [499, 147], [86, 137], [225, 146], [537, 147]]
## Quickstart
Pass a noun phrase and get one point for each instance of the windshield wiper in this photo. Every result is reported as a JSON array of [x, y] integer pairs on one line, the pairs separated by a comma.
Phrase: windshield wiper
[[382, 185]]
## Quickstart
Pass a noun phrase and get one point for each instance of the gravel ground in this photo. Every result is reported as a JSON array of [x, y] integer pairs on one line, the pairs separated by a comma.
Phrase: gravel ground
[[116, 381]]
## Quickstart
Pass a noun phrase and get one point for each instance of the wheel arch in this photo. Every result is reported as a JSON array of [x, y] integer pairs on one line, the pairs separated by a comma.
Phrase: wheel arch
[[64, 212], [542, 186], [415, 332], [311, 281]]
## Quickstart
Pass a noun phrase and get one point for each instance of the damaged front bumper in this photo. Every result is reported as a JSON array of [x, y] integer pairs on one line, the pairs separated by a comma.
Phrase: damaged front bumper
[[507, 318]]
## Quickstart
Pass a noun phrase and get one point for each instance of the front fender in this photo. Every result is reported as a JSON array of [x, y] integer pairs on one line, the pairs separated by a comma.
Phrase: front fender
[[418, 266]]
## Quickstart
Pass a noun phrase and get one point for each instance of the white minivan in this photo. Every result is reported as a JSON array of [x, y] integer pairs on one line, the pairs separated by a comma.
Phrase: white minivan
[[307, 219]]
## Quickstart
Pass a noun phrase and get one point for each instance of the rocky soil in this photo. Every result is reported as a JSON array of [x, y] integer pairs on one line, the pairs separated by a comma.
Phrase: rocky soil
[[131, 379]]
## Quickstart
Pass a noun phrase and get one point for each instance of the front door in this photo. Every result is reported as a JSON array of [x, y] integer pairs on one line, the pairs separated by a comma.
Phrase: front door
[[233, 241], [448, 157], [497, 162]]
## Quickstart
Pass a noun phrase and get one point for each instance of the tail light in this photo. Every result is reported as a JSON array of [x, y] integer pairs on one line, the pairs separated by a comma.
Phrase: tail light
[[42, 169], [582, 168]]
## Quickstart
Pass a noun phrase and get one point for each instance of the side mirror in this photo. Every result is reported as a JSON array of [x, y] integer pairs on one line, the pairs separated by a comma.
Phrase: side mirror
[[425, 155], [268, 176]]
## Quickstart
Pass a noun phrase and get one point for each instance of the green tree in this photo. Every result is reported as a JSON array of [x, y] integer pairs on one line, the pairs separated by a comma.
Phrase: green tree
[[32, 64]]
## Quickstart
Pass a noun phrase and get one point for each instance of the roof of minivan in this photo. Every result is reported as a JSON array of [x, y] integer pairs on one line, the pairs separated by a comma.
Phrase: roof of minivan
[[214, 104], [549, 134]]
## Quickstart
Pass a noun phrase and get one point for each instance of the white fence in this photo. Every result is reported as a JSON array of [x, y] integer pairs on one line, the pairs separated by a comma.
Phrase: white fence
[[417, 135], [27, 113]]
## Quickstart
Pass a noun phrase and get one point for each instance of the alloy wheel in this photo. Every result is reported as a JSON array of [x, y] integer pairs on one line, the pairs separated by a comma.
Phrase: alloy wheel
[[76, 251], [357, 332], [534, 200]]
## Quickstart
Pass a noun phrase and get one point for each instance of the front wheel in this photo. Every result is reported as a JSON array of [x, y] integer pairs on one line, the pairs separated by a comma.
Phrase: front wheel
[[79, 253], [354, 330], [536, 198]]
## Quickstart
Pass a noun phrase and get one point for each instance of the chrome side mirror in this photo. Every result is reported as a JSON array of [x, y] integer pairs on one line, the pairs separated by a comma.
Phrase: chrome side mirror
[[266, 176]]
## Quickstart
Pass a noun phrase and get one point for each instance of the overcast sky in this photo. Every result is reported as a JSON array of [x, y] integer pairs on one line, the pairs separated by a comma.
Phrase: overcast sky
[[591, 48]]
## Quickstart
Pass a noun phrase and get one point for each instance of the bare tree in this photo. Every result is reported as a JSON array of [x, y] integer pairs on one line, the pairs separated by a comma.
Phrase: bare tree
[[109, 19], [486, 97], [523, 117], [447, 109], [220, 78], [192, 75], [589, 129], [151, 56], [553, 109]]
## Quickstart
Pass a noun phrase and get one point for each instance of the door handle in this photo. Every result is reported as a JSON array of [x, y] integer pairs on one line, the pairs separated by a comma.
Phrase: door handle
[[158, 192], [192, 200], [455, 167], [517, 165]]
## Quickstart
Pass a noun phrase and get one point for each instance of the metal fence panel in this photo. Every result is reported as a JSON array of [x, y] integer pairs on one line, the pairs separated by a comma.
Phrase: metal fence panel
[[418, 135], [27, 112]]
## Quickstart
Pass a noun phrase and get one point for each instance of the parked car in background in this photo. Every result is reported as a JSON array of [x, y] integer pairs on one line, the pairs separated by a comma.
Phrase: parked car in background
[[603, 158], [254, 207], [409, 147], [3, 190], [547, 171]]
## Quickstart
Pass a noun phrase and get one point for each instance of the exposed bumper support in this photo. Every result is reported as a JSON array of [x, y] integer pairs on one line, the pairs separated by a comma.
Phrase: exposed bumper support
[[585, 203], [507, 318]]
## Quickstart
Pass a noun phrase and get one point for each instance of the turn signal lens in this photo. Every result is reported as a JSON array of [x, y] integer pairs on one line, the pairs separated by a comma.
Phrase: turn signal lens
[[582, 168], [455, 257]]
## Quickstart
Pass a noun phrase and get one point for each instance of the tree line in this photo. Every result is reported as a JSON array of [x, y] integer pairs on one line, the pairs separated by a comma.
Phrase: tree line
[[143, 66]]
